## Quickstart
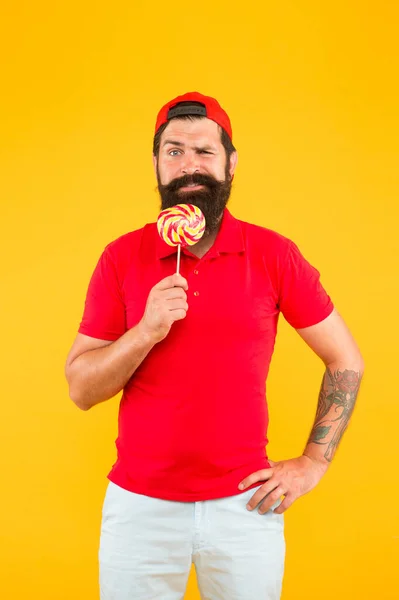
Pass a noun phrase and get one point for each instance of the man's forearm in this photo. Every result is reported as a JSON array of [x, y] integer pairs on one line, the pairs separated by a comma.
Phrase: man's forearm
[[337, 397], [97, 375]]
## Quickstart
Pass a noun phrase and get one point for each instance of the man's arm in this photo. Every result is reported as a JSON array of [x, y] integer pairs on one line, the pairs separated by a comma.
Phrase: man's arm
[[332, 341], [97, 370]]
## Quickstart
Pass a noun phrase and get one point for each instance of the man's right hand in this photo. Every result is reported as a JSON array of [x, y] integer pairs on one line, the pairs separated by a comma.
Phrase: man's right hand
[[166, 303]]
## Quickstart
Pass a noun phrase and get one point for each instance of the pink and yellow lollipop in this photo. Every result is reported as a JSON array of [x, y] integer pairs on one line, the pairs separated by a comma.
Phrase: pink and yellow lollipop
[[181, 225]]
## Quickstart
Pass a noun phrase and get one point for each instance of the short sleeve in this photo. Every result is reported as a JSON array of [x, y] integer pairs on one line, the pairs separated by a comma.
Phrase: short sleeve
[[104, 310], [302, 299]]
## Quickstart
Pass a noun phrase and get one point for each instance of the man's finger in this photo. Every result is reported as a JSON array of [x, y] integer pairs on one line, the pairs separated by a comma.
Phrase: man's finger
[[271, 499], [286, 503], [268, 492], [261, 475], [174, 292], [172, 281]]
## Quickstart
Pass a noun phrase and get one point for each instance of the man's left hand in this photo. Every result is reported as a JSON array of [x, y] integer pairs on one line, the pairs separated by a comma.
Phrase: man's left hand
[[290, 478]]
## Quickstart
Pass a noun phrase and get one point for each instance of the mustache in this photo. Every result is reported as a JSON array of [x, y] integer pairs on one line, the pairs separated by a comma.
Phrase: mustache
[[196, 179]]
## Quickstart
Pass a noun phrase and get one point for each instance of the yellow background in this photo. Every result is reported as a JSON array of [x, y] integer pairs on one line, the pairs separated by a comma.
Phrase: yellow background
[[312, 92]]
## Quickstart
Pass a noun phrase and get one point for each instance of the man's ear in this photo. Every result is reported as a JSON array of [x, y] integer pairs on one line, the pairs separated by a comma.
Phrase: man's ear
[[154, 162], [233, 163]]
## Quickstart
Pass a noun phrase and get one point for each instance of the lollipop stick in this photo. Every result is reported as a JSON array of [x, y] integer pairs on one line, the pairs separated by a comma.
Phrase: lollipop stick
[[178, 258]]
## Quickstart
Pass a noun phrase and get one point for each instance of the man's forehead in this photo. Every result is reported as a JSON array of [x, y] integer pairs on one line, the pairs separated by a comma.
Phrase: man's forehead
[[199, 130]]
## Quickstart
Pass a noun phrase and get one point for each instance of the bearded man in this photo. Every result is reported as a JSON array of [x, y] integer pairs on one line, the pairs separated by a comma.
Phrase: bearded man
[[191, 353]]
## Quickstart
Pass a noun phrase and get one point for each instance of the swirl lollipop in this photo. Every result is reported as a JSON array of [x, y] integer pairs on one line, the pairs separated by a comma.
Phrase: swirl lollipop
[[181, 225]]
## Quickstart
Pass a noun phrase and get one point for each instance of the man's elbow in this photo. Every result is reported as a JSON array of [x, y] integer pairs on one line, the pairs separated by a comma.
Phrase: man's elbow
[[74, 393], [79, 402], [358, 362], [78, 399], [84, 400], [352, 361], [82, 406]]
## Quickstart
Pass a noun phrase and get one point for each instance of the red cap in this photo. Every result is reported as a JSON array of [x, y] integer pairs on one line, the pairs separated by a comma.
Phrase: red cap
[[212, 110]]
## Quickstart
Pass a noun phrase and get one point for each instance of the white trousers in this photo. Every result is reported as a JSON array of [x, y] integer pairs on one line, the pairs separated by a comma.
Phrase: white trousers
[[147, 547]]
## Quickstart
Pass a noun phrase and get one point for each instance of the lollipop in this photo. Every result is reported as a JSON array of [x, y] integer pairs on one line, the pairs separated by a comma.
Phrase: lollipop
[[181, 225]]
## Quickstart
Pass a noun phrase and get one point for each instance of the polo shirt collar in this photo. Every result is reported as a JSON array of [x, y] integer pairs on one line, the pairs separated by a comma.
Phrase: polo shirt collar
[[229, 239]]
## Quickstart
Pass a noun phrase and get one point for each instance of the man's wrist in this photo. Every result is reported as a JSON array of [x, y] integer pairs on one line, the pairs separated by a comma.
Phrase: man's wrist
[[147, 337], [320, 462]]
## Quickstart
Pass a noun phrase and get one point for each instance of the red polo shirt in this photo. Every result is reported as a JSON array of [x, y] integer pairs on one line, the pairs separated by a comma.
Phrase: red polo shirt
[[193, 417]]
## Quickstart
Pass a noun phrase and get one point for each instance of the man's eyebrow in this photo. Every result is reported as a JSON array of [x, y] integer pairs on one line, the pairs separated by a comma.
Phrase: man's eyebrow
[[172, 142], [176, 143]]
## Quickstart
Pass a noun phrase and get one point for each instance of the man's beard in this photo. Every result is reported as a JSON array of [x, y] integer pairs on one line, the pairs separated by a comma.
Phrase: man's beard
[[211, 200]]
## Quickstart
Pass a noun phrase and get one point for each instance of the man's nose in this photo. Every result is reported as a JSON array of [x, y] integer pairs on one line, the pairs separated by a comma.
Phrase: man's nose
[[190, 165]]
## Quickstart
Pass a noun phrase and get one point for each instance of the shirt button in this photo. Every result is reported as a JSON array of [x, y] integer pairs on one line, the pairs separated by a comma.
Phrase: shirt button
[[196, 293], [195, 272]]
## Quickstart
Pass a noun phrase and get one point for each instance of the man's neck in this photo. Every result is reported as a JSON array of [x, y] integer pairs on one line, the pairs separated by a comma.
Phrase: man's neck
[[201, 248], [206, 242]]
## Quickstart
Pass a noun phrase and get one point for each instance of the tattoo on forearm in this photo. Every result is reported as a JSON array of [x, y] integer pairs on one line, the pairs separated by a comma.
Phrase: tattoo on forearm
[[336, 402]]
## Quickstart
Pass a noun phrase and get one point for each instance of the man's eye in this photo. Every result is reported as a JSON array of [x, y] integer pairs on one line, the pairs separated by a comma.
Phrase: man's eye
[[205, 152], [174, 151]]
